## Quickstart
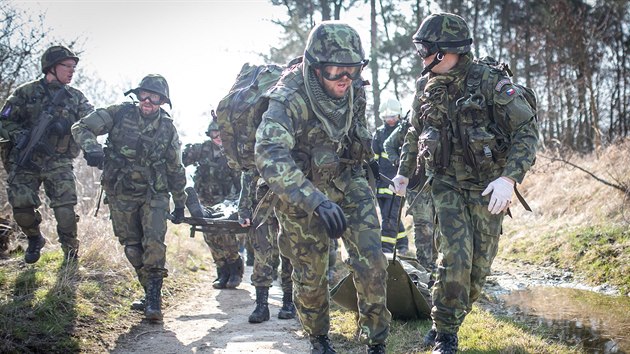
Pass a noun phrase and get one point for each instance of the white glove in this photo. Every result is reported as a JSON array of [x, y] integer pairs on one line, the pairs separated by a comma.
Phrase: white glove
[[501, 198], [400, 185]]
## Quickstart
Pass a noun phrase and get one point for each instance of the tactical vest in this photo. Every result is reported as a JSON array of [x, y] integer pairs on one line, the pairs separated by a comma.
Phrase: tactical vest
[[135, 164], [473, 138]]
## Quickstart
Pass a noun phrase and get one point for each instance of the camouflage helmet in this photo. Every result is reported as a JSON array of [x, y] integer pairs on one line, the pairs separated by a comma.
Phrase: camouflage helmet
[[56, 54], [334, 42], [153, 83], [444, 32], [390, 107], [212, 126]]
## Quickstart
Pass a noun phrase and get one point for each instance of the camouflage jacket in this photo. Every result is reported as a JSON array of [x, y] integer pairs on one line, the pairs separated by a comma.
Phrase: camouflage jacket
[[500, 135], [214, 179], [142, 155], [21, 113], [299, 161]]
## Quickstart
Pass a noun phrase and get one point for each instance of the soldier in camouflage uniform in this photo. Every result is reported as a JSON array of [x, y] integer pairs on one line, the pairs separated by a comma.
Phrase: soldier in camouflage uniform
[[142, 169], [474, 154], [215, 181], [392, 231], [311, 147], [264, 239], [419, 205], [51, 158]]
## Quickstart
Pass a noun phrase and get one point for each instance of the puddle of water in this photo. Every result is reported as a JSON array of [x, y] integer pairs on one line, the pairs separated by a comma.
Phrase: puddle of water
[[598, 323]]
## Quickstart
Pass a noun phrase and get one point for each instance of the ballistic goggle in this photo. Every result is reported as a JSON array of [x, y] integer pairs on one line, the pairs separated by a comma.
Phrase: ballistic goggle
[[336, 71], [154, 98], [426, 48]]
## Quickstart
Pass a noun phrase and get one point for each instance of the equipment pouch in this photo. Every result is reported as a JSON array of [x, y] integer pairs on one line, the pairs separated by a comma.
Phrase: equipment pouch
[[324, 164], [482, 146], [429, 145]]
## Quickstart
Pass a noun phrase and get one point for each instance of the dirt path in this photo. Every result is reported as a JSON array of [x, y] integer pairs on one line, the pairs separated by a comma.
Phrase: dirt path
[[215, 321]]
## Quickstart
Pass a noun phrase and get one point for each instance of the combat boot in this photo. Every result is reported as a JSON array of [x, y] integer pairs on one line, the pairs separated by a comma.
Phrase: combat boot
[[153, 306], [445, 343], [376, 349], [321, 345], [223, 275], [236, 269], [35, 244], [429, 338], [261, 312], [70, 254], [287, 311]]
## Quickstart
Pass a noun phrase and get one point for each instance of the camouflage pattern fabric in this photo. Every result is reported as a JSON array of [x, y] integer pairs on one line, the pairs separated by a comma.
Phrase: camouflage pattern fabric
[[302, 165], [142, 166], [264, 239], [468, 233], [447, 30], [214, 180], [52, 166]]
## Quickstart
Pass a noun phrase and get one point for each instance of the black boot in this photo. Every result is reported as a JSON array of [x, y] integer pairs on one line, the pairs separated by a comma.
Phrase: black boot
[[287, 311], [445, 343], [236, 269], [223, 275], [261, 312], [376, 349], [321, 345], [35, 244], [429, 338], [70, 254], [153, 308]]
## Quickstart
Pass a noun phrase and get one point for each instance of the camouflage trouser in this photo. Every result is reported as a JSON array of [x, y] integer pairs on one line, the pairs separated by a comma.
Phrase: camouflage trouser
[[224, 247], [305, 242], [423, 215], [141, 225], [392, 231], [467, 244], [267, 256], [60, 188]]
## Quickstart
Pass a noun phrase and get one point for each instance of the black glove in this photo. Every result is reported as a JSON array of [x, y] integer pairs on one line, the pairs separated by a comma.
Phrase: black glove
[[177, 216], [94, 158], [375, 169], [333, 218]]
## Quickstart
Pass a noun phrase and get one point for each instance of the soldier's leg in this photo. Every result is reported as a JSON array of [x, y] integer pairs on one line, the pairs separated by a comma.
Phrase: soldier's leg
[[125, 216], [368, 262], [402, 241], [486, 244], [262, 272], [154, 257], [23, 197], [422, 212], [305, 243], [214, 242], [60, 188], [452, 286], [388, 233]]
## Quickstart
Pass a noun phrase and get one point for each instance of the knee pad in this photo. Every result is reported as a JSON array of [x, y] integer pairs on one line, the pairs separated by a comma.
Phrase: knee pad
[[27, 217], [134, 255], [66, 219]]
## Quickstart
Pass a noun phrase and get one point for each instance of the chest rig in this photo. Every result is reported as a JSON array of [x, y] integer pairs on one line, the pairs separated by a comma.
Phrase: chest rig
[[135, 165]]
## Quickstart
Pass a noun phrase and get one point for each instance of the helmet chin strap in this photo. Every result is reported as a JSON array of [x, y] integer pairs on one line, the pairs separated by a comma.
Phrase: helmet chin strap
[[438, 59]]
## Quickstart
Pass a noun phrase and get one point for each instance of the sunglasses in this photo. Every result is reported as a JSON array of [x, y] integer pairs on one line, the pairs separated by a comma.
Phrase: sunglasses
[[154, 98]]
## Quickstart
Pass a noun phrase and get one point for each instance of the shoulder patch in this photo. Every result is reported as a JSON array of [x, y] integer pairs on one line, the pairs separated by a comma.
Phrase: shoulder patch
[[502, 83]]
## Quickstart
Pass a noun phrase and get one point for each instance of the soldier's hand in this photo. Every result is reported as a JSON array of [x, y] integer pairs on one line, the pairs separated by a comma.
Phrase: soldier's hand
[[501, 198], [244, 222], [177, 216], [333, 218], [94, 158], [400, 185]]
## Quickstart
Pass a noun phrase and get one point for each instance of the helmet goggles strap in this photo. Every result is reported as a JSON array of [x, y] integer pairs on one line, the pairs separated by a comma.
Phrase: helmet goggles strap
[[438, 59]]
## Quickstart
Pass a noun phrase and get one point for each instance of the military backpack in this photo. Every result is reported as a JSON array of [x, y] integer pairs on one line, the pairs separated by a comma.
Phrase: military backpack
[[240, 112]]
